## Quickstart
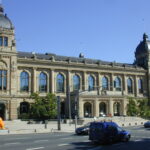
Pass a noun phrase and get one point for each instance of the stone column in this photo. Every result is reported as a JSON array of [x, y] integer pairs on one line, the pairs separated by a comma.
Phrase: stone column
[[124, 107], [135, 86], [111, 82], [111, 107], [84, 85], [34, 81], [13, 109], [124, 86], [80, 110], [96, 108], [52, 81]]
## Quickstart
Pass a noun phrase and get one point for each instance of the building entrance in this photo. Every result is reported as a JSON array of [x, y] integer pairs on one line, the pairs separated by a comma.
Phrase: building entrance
[[2, 111]]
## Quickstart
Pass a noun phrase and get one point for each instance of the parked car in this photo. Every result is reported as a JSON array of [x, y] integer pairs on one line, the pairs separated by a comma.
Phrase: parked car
[[107, 132], [147, 124], [84, 130]]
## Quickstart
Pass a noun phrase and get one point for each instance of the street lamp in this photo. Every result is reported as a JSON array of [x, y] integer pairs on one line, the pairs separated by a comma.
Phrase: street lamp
[[58, 113]]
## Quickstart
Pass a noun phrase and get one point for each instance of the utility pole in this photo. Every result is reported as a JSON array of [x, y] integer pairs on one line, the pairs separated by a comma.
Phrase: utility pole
[[58, 113], [69, 102], [76, 111]]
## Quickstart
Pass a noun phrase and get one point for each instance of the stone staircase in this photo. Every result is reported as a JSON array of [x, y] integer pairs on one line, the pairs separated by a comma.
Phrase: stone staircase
[[121, 121]]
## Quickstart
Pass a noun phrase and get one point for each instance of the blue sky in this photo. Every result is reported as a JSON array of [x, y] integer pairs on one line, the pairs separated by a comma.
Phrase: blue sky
[[107, 30]]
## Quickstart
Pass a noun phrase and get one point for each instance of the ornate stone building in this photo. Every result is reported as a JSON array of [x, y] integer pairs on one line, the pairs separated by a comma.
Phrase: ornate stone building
[[103, 86]]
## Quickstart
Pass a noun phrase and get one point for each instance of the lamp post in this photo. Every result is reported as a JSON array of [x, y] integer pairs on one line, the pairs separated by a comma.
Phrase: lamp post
[[58, 113], [76, 111]]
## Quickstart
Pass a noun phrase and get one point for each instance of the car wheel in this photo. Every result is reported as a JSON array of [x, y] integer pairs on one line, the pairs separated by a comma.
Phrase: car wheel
[[126, 138]]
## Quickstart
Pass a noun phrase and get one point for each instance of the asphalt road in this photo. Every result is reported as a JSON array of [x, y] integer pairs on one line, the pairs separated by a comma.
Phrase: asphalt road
[[140, 140]]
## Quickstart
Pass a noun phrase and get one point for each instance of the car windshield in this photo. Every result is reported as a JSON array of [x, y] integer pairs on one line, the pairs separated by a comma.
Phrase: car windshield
[[119, 129]]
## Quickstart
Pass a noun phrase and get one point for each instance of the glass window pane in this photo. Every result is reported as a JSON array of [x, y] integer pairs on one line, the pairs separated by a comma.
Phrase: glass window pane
[[104, 83], [5, 41], [117, 84], [91, 83], [60, 83], [24, 82], [140, 85], [1, 41], [76, 82], [43, 82], [129, 84], [4, 80]]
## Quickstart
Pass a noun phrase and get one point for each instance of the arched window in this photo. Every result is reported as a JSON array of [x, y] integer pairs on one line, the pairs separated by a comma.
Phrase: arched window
[[116, 109], [105, 83], [90, 83], [42, 82], [87, 110], [76, 82], [117, 84], [3, 79], [102, 109], [24, 82], [140, 85], [24, 107], [60, 83], [130, 86]]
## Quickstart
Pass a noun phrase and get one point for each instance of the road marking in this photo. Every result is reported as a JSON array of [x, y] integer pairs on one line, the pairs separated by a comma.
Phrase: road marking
[[65, 144], [11, 143], [35, 148], [138, 140], [68, 138], [86, 141], [37, 141]]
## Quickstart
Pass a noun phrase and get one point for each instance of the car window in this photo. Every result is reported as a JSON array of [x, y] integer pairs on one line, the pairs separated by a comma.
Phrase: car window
[[119, 129]]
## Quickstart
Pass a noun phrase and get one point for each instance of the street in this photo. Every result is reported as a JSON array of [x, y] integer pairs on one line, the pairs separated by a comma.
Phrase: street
[[140, 139]]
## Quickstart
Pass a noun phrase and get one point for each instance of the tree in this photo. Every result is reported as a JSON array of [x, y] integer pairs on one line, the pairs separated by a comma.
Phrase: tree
[[132, 109], [44, 107]]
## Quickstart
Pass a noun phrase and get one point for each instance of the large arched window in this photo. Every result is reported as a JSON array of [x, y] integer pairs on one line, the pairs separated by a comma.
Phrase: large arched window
[[3, 79], [76, 82], [140, 85], [24, 107], [90, 83], [130, 86], [117, 84], [42, 82], [87, 109], [24, 82], [60, 83], [102, 109], [105, 83], [117, 109]]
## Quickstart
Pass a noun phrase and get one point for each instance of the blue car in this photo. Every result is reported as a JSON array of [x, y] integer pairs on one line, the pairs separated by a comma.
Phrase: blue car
[[147, 124], [107, 132], [84, 130]]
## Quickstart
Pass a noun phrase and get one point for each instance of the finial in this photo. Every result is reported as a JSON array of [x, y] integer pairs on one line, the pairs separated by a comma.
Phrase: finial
[[145, 37]]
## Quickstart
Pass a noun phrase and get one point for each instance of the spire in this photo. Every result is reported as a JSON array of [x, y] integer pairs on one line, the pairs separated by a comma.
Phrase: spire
[[145, 37], [1, 9]]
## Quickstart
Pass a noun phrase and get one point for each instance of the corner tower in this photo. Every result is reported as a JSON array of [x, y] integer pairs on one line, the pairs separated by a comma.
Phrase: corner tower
[[142, 55], [8, 58]]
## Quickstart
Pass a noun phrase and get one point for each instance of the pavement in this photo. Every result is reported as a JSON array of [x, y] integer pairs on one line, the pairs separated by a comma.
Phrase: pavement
[[22, 127]]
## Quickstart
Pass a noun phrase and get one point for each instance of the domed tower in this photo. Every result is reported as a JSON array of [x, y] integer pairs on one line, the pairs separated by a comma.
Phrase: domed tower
[[7, 38], [142, 55], [8, 55], [142, 52]]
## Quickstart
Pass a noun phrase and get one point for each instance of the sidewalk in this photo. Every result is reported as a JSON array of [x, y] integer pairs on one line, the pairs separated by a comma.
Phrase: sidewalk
[[21, 127]]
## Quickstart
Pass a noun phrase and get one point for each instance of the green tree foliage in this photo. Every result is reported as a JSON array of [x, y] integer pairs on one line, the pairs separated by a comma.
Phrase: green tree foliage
[[44, 107], [132, 109], [144, 108], [138, 107]]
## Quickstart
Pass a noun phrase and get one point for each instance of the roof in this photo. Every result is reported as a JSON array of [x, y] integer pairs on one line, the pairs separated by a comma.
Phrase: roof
[[4, 20], [58, 58]]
